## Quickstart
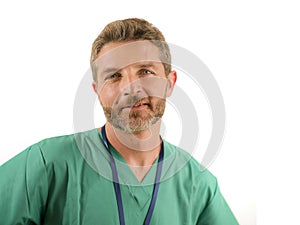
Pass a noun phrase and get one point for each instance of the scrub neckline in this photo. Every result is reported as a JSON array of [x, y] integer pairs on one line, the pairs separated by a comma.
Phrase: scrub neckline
[[121, 161]]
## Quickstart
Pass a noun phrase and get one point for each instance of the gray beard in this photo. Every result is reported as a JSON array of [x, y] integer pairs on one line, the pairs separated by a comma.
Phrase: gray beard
[[135, 122]]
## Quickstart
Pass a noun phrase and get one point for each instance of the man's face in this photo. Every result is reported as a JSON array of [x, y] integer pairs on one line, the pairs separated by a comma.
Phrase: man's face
[[132, 85]]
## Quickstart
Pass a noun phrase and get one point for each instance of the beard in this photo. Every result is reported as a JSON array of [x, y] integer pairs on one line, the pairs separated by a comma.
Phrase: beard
[[136, 120]]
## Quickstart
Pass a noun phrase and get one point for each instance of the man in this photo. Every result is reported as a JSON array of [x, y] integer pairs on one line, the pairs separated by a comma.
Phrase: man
[[123, 172]]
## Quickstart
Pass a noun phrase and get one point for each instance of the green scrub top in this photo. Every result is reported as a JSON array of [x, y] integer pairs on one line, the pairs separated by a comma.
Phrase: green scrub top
[[67, 180]]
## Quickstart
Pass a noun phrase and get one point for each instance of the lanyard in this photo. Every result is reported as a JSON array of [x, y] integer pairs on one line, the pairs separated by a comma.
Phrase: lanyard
[[117, 185]]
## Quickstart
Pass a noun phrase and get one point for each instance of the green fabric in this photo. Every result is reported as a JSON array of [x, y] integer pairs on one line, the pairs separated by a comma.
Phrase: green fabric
[[61, 181]]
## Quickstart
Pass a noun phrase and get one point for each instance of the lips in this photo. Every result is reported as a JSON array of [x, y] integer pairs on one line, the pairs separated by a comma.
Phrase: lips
[[140, 104], [137, 104]]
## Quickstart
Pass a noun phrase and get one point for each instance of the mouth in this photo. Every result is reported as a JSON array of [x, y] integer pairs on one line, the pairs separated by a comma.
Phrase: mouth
[[140, 104], [137, 105]]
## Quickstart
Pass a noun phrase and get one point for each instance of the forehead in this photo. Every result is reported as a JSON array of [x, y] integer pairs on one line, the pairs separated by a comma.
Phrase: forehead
[[121, 54]]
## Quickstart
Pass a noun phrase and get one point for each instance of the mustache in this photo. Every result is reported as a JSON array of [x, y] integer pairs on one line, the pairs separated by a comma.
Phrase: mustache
[[135, 101]]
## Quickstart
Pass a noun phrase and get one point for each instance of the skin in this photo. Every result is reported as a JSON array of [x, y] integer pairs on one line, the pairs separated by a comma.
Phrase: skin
[[132, 90]]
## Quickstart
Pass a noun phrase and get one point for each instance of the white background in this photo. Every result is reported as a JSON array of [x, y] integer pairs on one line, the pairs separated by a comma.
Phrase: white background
[[251, 47]]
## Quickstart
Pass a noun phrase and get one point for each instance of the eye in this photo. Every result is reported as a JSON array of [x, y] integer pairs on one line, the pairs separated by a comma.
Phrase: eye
[[113, 76], [145, 72]]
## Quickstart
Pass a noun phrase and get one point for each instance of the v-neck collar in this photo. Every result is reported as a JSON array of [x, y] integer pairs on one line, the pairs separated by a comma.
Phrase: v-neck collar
[[126, 175]]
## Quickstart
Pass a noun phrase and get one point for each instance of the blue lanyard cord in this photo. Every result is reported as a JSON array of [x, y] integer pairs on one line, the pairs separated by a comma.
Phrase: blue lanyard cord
[[117, 185]]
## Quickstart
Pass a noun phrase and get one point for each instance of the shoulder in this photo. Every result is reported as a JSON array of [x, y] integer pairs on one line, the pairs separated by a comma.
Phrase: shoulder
[[196, 182], [61, 147], [187, 167]]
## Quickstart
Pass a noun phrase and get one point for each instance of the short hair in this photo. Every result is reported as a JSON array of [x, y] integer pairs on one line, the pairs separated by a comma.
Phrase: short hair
[[132, 29]]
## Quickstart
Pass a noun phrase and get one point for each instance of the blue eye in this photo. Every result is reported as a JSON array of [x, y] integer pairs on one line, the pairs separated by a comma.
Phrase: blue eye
[[112, 76], [145, 72]]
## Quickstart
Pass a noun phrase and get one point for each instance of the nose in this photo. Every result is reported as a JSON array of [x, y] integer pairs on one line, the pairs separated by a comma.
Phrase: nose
[[131, 85]]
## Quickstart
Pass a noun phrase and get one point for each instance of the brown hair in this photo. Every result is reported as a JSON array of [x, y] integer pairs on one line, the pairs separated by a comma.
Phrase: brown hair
[[130, 30]]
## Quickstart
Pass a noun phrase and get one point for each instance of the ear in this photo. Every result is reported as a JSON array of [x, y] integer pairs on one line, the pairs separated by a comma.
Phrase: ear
[[172, 77], [94, 85]]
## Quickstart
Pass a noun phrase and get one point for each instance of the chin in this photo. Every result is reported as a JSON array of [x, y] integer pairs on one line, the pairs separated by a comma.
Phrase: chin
[[135, 125]]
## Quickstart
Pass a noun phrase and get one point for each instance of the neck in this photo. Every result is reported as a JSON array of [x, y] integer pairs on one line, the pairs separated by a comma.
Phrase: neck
[[138, 149]]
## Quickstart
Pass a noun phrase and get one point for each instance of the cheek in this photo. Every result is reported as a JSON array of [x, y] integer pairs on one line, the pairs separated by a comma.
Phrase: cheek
[[108, 95], [158, 102], [155, 86]]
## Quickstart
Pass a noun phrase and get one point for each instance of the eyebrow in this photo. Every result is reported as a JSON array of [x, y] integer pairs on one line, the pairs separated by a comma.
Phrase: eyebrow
[[146, 65], [142, 65], [110, 70]]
